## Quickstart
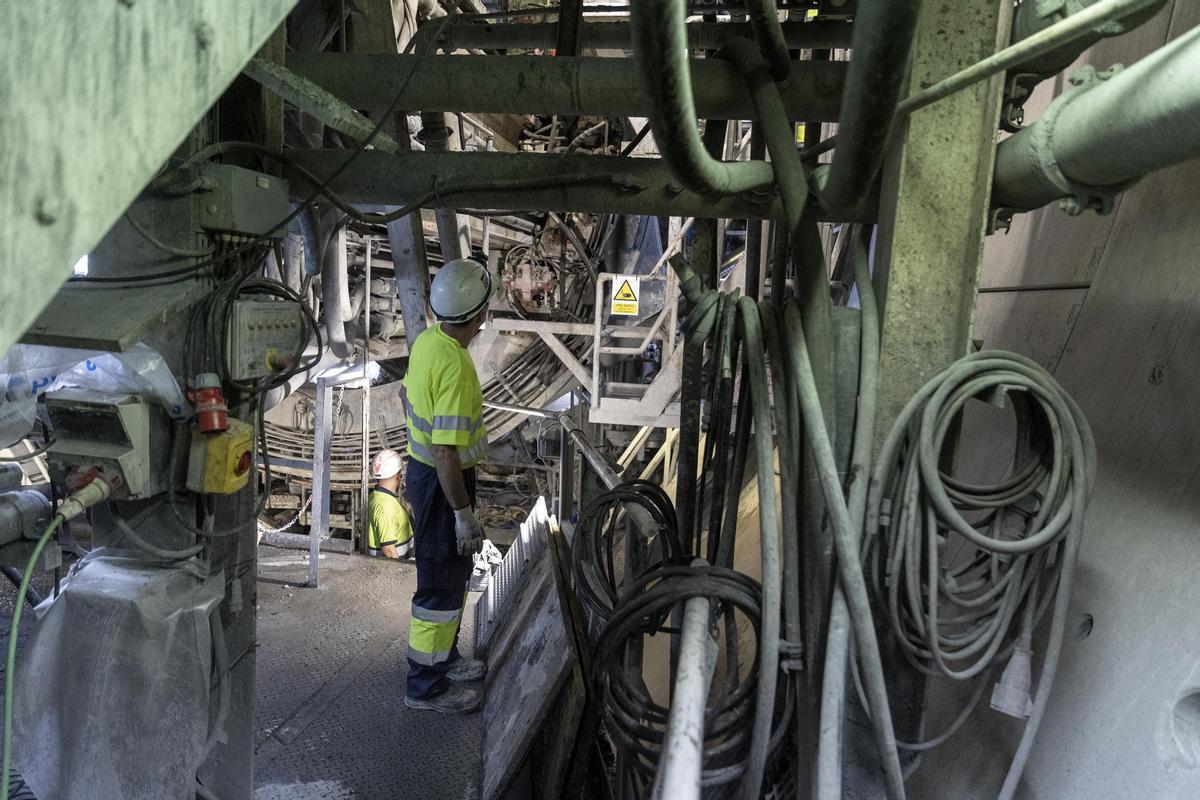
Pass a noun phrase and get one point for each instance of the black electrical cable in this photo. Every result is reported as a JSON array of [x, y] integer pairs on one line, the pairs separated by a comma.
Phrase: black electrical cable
[[634, 721], [594, 548], [258, 240]]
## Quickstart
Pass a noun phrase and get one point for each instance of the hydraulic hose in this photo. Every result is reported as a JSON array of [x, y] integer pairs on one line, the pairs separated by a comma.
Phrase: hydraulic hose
[[883, 37], [768, 660], [153, 550], [697, 327], [660, 49], [10, 663], [634, 721], [787, 433], [593, 551], [845, 540], [777, 130], [764, 21], [743, 310], [837, 642]]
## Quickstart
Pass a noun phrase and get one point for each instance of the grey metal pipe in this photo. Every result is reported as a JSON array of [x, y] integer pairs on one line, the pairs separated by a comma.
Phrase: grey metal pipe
[[660, 49], [682, 761], [565, 86], [883, 37], [1106, 132], [435, 135], [335, 294], [629, 185], [1030, 19], [617, 35]]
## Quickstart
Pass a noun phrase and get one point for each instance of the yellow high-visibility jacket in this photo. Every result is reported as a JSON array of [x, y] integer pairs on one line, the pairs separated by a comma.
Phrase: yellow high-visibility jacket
[[444, 402]]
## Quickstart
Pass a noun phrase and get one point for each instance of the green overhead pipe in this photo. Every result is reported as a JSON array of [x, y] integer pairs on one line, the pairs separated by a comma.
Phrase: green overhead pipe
[[1105, 132]]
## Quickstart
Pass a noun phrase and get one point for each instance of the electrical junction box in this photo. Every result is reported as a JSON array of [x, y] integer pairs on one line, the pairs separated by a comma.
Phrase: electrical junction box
[[264, 337], [242, 201], [220, 463], [126, 432]]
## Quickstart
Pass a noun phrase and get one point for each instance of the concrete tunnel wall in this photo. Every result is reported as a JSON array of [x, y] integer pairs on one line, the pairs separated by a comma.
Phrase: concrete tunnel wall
[[1124, 719]]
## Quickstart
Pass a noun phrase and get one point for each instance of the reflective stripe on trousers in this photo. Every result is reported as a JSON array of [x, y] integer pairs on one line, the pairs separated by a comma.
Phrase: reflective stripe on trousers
[[431, 634]]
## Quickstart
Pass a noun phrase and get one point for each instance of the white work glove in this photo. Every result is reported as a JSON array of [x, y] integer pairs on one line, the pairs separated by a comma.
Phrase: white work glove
[[468, 531]]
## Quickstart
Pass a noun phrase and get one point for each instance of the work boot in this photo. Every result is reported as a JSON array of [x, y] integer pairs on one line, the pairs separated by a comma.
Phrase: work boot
[[455, 700], [467, 670]]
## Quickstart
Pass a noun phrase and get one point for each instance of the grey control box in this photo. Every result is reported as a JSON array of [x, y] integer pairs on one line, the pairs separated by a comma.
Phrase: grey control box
[[242, 201], [264, 337]]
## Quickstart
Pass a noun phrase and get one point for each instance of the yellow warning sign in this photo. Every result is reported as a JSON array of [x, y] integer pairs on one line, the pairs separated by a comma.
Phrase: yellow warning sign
[[625, 299]]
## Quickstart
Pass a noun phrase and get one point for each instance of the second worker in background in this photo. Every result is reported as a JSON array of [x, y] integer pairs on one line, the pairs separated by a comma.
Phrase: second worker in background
[[446, 439]]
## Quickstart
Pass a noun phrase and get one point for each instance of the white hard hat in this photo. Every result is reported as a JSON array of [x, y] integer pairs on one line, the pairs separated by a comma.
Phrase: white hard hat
[[460, 290], [385, 464]]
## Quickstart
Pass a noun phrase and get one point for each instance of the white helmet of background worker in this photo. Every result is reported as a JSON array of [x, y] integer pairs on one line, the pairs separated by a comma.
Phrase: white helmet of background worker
[[385, 464], [460, 290]]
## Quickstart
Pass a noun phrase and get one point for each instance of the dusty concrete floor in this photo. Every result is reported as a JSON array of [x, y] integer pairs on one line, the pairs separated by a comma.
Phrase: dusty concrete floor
[[330, 720]]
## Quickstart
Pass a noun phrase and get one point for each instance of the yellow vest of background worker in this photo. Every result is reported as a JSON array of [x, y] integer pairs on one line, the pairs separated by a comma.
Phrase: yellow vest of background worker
[[387, 524], [389, 532]]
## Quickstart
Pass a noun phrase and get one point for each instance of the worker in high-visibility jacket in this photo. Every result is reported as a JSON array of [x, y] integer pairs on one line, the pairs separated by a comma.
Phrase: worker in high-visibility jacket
[[389, 532], [446, 439]]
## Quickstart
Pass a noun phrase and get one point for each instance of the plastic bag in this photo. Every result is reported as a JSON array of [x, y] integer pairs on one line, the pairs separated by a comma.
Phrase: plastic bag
[[112, 690], [28, 371]]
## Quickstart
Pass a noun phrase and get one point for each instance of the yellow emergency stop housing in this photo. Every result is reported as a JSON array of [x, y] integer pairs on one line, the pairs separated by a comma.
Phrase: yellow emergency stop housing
[[220, 463]]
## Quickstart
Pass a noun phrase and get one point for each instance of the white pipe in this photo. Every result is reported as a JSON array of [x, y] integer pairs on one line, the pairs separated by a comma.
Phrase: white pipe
[[683, 748]]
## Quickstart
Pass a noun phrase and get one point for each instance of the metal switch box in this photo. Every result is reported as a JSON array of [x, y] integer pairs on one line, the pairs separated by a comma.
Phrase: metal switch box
[[264, 337], [242, 201]]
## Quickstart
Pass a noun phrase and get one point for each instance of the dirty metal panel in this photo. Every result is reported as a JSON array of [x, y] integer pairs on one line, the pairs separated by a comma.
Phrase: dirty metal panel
[[527, 670], [511, 576], [95, 97]]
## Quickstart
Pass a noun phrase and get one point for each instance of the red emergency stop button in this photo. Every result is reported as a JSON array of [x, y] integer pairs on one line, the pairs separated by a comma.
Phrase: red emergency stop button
[[243, 465]]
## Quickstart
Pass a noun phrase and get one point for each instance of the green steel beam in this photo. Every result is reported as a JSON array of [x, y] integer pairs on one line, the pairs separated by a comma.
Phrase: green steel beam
[[616, 35], [95, 97], [613, 186], [934, 203], [567, 86]]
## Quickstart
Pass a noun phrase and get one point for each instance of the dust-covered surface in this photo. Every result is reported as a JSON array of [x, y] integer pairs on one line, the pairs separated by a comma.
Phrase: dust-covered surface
[[330, 719]]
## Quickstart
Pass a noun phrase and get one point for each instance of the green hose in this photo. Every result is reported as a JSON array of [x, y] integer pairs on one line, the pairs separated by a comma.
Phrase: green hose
[[10, 663]]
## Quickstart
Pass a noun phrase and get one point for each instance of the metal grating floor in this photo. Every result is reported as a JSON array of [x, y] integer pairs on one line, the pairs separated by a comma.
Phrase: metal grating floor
[[330, 720]]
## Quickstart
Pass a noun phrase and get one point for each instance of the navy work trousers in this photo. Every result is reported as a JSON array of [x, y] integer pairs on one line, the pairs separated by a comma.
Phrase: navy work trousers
[[442, 576]]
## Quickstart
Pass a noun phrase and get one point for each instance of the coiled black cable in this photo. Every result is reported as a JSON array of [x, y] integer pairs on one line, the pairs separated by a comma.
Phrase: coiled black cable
[[596, 536], [633, 719]]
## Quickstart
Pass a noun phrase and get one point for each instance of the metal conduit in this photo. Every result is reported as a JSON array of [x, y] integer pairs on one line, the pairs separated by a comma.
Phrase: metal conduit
[[764, 21], [660, 49], [1080, 147], [683, 746], [883, 37]]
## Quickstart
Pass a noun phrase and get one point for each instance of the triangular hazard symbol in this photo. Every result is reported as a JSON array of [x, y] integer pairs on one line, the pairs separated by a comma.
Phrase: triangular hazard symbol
[[625, 292]]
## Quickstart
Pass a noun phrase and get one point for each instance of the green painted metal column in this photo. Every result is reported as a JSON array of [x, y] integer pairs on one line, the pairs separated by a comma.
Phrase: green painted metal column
[[933, 210], [95, 97], [934, 203]]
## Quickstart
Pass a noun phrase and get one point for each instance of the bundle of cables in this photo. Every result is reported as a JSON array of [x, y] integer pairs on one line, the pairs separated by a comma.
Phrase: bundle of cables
[[634, 721], [967, 571], [594, 550]]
